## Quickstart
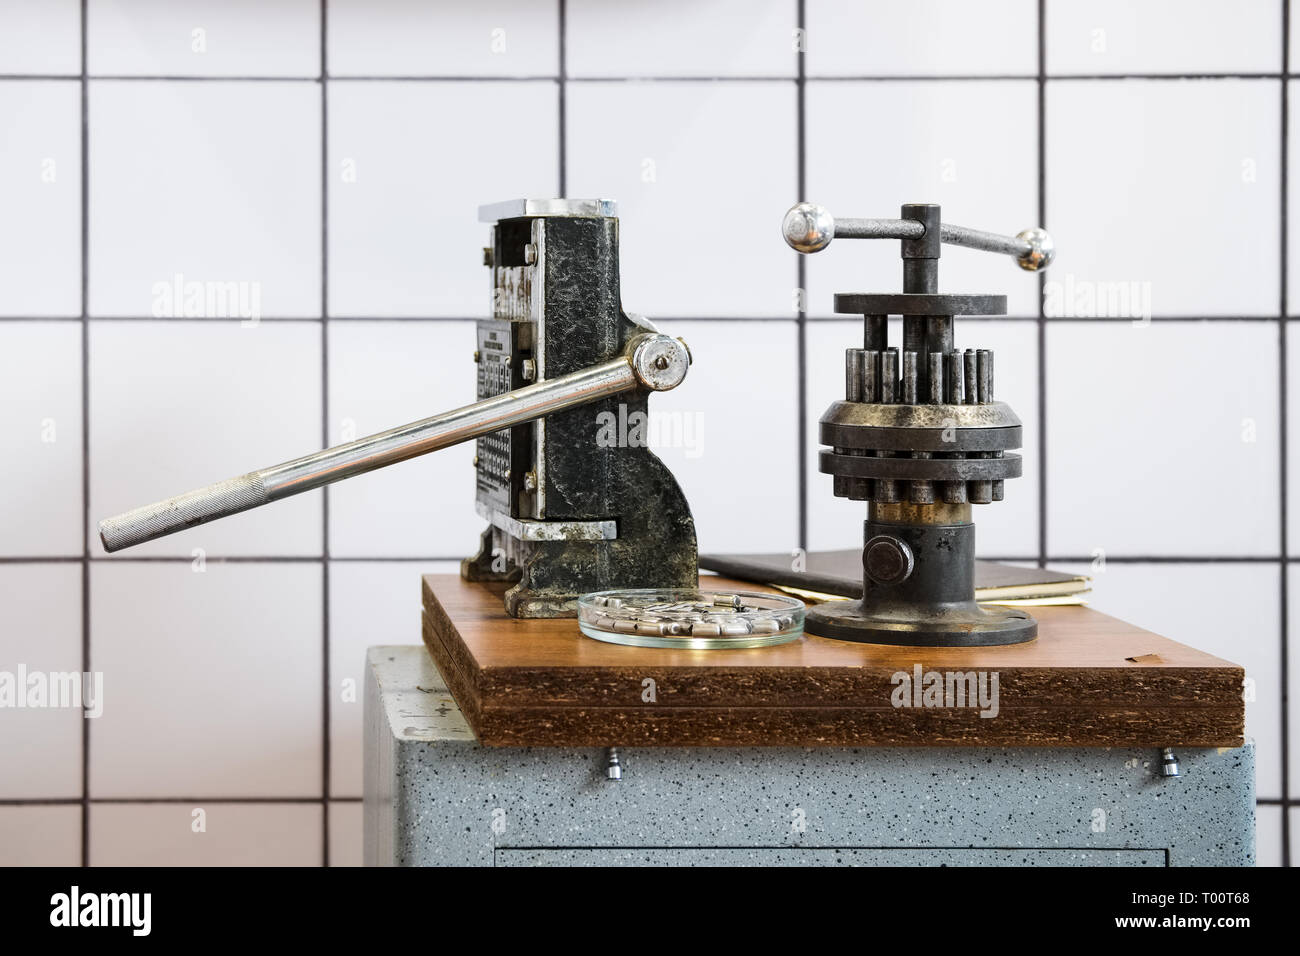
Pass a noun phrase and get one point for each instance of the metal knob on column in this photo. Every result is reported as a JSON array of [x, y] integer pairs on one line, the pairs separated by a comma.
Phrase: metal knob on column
[[919, 436]]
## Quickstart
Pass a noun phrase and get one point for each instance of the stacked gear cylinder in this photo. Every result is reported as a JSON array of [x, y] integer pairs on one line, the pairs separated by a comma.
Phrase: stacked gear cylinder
[[920, 437]]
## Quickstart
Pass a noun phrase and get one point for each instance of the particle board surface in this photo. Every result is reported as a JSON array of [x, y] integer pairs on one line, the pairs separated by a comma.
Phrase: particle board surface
[[1088, 680]]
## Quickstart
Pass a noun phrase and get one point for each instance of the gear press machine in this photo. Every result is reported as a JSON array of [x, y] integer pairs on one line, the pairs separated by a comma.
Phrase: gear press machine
[[919, 437]]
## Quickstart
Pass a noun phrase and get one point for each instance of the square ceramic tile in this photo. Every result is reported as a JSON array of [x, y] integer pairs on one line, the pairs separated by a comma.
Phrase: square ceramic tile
[[40, 438], [1293, 678], [1293, 205], [40, 193], [404, 235], [702, 173], [212, 679], [40, 37], [385, 374], [203, 38], [345, 822], [1294, 37], [40, 658], [179, 405], [371, 603], [972, 148], [1293, 437], [930, 37], [1268, 836], [729, 434], [682, 38], [1007, 528], [1162, 196], [199, 834], [1134, 451], [1294, 813], [1228, 610], [1163, 36], [444, 38], [205, 199], [40, 836]]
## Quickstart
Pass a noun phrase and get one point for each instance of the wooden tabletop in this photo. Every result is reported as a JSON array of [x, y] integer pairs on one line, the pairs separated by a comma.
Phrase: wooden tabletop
[[1088, 680]]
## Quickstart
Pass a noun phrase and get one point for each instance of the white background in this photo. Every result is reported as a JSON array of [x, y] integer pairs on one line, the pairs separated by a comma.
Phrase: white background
[[1149, 138]]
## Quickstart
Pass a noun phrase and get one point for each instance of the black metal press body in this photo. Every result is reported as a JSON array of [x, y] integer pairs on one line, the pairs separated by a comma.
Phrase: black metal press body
[[919, 437], [575, 501]]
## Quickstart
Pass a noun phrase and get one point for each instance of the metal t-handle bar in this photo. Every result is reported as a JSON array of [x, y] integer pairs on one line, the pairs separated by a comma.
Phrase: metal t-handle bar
[[809, 228], [652, 361]]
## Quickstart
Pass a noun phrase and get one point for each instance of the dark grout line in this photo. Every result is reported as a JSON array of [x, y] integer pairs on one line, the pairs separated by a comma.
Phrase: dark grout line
[[223, 559], [811, 317], [1163, 76], [562, 12], [1041, 324], [1153, 559], [135, 801], [424, 559], [1040, 75], [698, 78], [325, 430], [1283, 543], [801, 280], [85, 432]]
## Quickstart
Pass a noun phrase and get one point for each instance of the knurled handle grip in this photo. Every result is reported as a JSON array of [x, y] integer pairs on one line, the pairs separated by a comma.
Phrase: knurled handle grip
[[170, 515]]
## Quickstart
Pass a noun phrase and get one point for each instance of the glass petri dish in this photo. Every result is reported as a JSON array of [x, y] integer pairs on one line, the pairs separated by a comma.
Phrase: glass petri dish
[[697, 619]]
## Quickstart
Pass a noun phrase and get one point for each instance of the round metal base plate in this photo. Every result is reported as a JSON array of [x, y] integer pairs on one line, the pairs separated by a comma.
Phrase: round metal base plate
[[972, 626]]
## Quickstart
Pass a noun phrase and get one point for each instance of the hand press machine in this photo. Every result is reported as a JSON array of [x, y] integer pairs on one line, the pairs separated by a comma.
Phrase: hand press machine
[[567, 514], [918, 435], [920, 438]]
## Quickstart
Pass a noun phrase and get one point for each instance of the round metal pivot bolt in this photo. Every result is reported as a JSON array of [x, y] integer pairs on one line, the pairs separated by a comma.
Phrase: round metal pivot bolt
[[660, 362], [887, 560], [613, 767], [1042, 250], [808, 227]]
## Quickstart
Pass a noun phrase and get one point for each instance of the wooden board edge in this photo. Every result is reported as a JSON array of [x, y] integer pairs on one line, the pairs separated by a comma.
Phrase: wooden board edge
[[462, 687], [745, 727], [1192, 688]]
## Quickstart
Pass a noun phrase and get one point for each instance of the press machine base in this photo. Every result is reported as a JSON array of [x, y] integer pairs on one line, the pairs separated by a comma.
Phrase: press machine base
[[436, 797]]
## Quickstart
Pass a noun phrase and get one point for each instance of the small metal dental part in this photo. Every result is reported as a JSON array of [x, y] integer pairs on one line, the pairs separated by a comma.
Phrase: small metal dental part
[[690, 619]]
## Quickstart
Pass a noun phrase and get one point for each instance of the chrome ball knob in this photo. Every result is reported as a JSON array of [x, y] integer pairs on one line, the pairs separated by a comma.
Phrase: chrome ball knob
[[808, 227], [1042, 250]]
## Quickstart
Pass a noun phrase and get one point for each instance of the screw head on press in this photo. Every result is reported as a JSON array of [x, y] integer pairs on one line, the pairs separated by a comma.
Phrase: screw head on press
[[1042, 250], [888, 560], [808, 227]]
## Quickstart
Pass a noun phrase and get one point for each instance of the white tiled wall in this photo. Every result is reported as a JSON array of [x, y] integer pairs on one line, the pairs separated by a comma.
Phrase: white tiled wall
[[326, 159]]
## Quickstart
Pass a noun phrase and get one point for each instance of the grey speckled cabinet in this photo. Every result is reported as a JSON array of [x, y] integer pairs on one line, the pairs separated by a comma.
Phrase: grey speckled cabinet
[[434, 797]]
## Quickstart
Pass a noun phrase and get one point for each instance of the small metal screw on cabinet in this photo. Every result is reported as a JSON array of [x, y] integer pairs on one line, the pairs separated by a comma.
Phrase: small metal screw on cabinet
[[919, 437]]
